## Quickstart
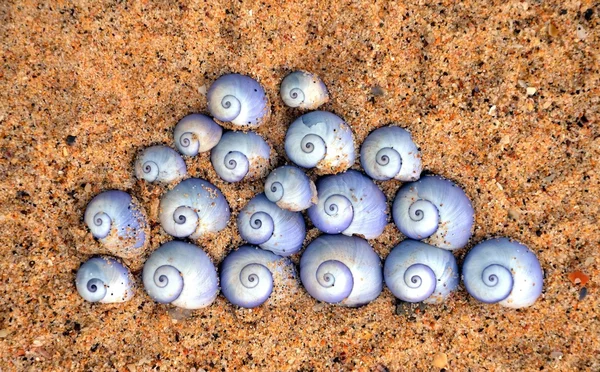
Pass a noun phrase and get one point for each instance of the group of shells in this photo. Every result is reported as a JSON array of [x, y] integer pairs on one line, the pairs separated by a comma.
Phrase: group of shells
[[339, 266]]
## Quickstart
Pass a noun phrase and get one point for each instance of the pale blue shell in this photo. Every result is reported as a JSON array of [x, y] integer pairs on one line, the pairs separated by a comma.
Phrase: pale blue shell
[[290, 188], [435, 209], [389, 152], [415, 272], [193, 208], [160, 164], [181, 274], [320, 139], [341, 270], [118, 222], [503, 271], [349, 203], [303, 90], [263, 223], [238, 99], [196, 133], [241, 156], [104, 280], [249, 273]]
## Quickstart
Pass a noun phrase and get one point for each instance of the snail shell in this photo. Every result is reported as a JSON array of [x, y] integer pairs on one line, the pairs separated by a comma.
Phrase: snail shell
[[303, 90], [196, 133], [238, 99], [291, 189], [118, 222], [241, 156], [349, 203], [415, 272], [181, 274], [248, 276], [160, 164], [503, 271], [193, 208], [435, 209], [104, 280], [389, 152], [341, 269], [320, 139], [263, 223]]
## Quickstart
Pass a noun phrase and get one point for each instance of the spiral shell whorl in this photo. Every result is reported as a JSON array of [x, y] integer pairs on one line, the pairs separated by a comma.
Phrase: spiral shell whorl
[[303, 90], [349, 203], [193, 208], [238, 99], [389, 152], [241, 156], [181, 274], [278, 230], [503, 271], [160, 164], [415, 272], [435, 209], [290, 188], [196, 133], [104, 280], [345, 261]]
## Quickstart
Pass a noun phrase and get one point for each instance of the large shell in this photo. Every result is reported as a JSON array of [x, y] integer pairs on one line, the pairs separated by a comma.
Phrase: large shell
[[196, 133], [291, 189], [303, 90], [389, 152], [104, 280], [241, 156], [415, 272], [193, 208], [503, 271], [435, 209], [263, 223], [349, 203], [342, 270], [181, 274], [250, 275], [118, 222], [320, 139], [238, 99], [160, 164]]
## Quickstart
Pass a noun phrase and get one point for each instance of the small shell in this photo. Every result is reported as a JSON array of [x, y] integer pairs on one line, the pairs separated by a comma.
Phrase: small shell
[[193, 208], [349, 203], [303, 90], [241, 156], [104, 280], [181, 274], [263, 223], [503, 271], [238, 99], [320, 139], [160, 164], [435, 209], [389, 152], [415, 272], [341, 269], [196, 133], [248, 276], [290, 189], [118, 222]]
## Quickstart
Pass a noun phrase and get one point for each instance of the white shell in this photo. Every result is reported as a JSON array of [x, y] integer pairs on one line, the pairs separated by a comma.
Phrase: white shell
[[241, 156], [291, 189], [160, 164], [104, 280], [196, 133], [303, 90]]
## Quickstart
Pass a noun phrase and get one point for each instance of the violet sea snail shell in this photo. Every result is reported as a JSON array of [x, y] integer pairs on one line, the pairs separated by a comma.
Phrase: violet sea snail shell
[[341, 269], [181, 274], [196, 133], [503, 271], [290, 188], [303, 90], [104, 280], [160, 164], [241, 156]]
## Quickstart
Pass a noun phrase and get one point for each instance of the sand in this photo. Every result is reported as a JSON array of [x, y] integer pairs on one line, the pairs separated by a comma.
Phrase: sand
[[503, 99]]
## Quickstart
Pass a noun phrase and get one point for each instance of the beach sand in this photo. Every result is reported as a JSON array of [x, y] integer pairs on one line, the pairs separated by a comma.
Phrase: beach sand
[[85, 85]]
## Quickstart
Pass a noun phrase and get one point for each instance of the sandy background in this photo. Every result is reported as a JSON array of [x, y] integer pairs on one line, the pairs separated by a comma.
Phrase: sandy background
[[118, 75]]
